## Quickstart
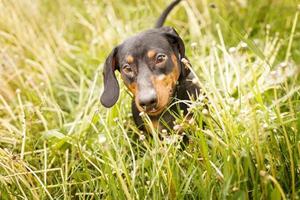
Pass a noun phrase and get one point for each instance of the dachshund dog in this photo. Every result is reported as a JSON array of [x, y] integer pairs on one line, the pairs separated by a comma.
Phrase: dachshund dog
[[151, 67]]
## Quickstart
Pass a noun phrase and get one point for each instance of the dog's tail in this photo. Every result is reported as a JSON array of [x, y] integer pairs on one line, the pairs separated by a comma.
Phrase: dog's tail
[[163, 16]]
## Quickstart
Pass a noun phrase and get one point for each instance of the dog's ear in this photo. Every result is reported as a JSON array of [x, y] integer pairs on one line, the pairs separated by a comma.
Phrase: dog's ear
[[111, 91], [178, 47]]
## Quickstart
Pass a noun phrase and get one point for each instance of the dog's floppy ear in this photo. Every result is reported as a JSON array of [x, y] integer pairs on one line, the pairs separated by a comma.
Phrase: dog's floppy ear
[[111, 91], [178, 46]]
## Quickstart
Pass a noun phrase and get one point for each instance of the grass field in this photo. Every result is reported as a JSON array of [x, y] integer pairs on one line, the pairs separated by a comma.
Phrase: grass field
[[58, 142]]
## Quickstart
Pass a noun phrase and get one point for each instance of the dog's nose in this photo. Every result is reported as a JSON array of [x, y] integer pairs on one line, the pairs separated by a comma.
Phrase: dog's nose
[[148, 99]]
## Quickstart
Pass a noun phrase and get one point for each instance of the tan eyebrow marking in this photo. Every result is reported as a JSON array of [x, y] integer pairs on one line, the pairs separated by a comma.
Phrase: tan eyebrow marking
[[151, 53], [129, 59]]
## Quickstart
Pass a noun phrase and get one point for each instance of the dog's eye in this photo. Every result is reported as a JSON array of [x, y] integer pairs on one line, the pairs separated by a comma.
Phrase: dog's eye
[[127, 69], [160, 58]]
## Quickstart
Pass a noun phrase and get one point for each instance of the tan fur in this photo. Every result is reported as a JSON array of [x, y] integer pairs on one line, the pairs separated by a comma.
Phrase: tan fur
[[164, 86], [129, 59], [132, 88], [151, 53]]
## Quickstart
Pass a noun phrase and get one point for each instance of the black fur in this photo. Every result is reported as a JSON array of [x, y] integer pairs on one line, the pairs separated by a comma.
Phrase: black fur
[[142, 69]]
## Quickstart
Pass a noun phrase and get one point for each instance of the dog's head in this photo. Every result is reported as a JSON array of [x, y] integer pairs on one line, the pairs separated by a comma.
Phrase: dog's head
[[150, 66]]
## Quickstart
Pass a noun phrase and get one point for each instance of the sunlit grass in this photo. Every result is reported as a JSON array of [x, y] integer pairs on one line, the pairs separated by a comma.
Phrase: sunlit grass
[[58, 142]]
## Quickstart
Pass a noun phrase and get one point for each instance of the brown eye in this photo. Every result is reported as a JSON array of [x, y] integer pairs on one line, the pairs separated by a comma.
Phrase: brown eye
[[127, 69], [160, 58]]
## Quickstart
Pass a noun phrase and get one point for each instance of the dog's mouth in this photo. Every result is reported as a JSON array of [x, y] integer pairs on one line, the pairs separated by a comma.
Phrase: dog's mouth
[[159, 107], [155, 111]]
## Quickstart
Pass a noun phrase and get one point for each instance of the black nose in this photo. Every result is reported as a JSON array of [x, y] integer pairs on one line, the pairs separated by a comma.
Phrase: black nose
[[148, 99]]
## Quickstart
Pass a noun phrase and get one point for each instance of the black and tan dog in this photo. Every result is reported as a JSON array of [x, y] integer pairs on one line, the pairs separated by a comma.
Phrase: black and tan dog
[[151, 68]]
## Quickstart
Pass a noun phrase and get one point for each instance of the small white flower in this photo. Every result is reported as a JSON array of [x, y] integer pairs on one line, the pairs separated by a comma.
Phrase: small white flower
[[256, 41], [262, 173], [168, 140], [244, 45], [116, 119], [205, 111], [201, 98], [194, 44], [232, 50], [101, 138], [177, 127], [274, 74], [191, 121], [142, 137], [283, 65], [164, 131]]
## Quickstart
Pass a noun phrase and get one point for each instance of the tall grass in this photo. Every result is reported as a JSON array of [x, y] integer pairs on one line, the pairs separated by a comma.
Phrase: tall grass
[[58, 142]]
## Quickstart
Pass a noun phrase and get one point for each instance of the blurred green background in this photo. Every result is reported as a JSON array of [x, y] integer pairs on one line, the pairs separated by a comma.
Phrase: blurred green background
[[58, 142]]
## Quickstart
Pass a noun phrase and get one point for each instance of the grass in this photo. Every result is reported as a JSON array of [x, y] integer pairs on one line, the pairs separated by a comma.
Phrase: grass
[[58, 142]]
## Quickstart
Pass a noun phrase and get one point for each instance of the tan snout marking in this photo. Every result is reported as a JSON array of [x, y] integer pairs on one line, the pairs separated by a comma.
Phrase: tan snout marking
[[151, 53], [132, 88], [129, 59], [164, 86], [161, 77]]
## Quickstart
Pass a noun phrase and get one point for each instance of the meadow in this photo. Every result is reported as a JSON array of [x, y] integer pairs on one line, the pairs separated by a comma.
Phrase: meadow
[[58, 142]]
